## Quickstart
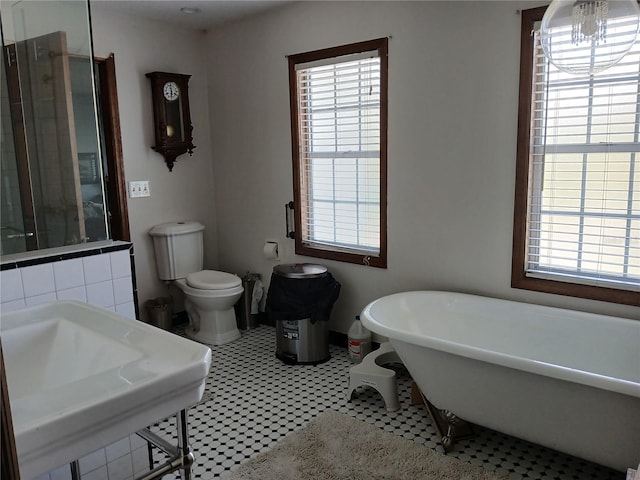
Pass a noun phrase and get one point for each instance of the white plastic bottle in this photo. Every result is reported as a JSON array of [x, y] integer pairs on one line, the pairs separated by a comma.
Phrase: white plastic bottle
[[359, 341]]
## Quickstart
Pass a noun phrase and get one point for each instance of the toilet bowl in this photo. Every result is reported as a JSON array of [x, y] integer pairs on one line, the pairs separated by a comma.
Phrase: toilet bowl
[[209, 299], [209, 296]]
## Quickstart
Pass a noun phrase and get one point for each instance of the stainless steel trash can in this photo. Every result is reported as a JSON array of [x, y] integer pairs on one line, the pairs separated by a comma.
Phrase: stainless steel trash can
[[300, 341], [245, 319], [299, 302], [160, 312]]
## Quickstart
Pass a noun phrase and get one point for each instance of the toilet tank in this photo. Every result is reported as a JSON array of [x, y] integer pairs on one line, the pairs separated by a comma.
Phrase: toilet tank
[[179, 249]]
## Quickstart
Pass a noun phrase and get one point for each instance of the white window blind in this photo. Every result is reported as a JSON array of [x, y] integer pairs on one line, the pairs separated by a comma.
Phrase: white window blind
[[583, 223], [339, 142]]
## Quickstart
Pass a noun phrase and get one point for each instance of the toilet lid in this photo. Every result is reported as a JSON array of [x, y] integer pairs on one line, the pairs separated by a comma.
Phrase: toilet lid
[[212, 280]]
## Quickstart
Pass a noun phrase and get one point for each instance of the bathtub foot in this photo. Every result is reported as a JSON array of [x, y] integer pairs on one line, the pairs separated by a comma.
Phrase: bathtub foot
[[447, 443], [455, 427], [450, 427]]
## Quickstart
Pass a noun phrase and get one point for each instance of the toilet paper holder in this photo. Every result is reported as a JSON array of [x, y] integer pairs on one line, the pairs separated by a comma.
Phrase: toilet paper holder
[[270, 250]]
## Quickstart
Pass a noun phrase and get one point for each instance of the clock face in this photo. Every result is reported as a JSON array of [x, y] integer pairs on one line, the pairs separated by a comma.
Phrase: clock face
[[171, 91]]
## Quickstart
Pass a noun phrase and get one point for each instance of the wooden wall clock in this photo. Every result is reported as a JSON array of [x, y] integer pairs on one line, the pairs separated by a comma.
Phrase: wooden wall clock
[[172, 119]]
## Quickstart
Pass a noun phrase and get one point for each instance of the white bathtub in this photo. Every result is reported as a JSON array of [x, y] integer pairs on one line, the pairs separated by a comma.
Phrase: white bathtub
[[563, 379]]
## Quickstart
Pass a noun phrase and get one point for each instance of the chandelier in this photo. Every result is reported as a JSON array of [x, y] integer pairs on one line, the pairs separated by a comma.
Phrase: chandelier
[[589, 21], [585, 37]]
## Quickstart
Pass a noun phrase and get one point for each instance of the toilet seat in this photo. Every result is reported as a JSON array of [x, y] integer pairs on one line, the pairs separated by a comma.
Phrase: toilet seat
[[212, 280]]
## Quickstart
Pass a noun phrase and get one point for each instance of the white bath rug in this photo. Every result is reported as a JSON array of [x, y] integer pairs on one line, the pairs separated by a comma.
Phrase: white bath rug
[[338, 447]]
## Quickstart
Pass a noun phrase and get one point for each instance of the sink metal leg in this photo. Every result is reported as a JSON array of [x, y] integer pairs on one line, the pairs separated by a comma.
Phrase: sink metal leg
[[181, 455], [150, 455], [75, 470], [184, 449]]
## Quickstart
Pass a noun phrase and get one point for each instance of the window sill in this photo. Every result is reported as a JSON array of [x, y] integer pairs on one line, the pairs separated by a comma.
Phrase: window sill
[[359, 259], [603, 294]]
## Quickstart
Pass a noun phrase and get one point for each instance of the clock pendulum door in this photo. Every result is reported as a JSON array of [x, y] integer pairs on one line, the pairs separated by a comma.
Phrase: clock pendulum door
[[172, 118]]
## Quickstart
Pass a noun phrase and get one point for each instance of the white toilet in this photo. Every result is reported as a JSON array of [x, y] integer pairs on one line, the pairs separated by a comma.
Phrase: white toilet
[[209, 295]]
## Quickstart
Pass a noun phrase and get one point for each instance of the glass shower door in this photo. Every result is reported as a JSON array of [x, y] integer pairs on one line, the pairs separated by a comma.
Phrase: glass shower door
[[52, 185], [45, 85], [17, 226]]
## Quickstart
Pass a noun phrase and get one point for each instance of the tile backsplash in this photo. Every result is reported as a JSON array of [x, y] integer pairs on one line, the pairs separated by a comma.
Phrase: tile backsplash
[[104, 278]]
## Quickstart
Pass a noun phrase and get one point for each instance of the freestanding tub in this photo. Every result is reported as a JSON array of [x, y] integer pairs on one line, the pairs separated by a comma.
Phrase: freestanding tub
[[563, 379]]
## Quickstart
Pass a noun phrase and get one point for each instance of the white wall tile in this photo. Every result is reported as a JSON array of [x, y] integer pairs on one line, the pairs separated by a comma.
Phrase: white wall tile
[[137, 441], [120, 264], [87, 279], [140, 460], [118, 449], [11, 285], [120, 469], [77, 293], [38, 279], [92, 461], [13, 306], [97, 268], [100, 294], [122, 290], [127, 310], [97, 474], [40, 299], [68, 273], [62, 473]]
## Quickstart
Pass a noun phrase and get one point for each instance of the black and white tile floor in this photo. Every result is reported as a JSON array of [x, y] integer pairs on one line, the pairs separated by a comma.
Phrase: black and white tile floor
[[257, 400]]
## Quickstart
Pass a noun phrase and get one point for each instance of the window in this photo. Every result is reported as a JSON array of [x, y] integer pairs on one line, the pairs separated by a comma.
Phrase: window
[[339, 130], [577, 203]]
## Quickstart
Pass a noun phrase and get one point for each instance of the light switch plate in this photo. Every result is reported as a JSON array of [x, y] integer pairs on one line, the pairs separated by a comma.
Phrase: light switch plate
[[139, 189]]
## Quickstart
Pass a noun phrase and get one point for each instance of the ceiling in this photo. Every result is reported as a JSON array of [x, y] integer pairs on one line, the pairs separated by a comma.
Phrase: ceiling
[[210, 13]]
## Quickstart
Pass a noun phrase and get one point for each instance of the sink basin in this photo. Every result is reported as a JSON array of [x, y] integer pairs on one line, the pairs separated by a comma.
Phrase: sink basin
[[81, 377]]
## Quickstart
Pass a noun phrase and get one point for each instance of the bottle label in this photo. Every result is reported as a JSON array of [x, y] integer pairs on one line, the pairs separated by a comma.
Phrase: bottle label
[[355, 348]]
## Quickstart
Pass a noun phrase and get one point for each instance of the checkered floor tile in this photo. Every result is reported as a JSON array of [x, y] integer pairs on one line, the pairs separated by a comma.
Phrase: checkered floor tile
[[257, 400]]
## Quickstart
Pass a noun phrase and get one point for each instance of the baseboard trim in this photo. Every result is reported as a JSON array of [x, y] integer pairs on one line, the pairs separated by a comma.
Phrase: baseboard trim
[[338, 339]]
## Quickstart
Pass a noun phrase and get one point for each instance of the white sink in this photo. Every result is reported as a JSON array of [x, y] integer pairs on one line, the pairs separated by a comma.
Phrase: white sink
[[81, 377]]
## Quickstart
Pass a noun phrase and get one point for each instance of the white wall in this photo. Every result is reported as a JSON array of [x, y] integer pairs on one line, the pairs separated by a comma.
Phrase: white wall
[[453, 108], [141, 46]]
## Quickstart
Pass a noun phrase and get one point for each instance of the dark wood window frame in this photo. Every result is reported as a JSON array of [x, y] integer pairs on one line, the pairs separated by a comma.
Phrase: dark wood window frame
[[115, 182], [301, 248], [519, 279]]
